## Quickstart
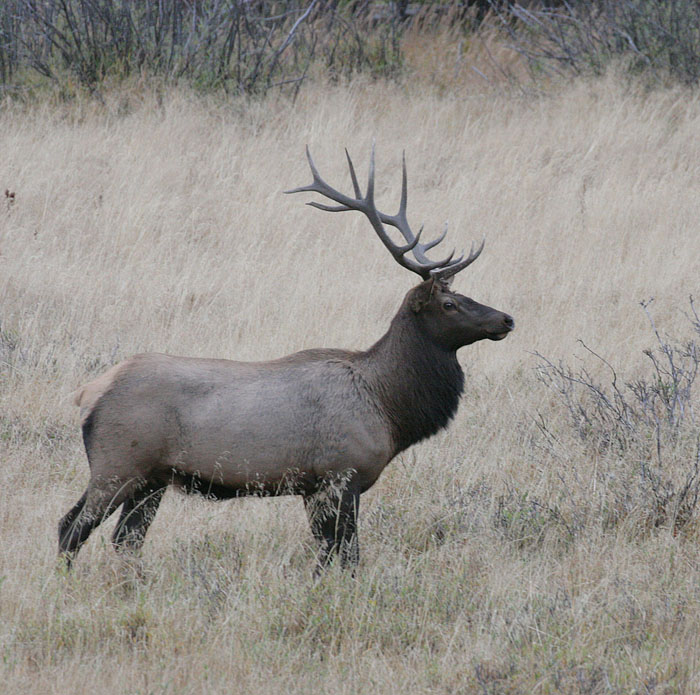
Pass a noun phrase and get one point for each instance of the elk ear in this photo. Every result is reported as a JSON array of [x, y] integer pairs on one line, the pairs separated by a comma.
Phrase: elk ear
[[421, 296]]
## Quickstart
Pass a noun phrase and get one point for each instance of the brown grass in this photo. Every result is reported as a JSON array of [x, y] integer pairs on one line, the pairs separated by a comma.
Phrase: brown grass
[[443, 52], [157, 223]]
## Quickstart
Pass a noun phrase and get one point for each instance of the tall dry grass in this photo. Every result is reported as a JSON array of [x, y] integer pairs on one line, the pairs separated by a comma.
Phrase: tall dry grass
[[156, 222]]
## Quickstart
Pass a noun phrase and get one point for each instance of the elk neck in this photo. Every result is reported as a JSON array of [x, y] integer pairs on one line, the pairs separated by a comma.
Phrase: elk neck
[[416, 382]]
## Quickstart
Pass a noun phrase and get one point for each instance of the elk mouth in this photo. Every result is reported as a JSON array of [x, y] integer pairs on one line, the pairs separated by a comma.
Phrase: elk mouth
[[499, 335]]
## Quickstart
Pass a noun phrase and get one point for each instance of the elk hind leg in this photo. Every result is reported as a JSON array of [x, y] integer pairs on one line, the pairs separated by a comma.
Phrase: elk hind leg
[[136, 516], [97, 503], [67, 527]]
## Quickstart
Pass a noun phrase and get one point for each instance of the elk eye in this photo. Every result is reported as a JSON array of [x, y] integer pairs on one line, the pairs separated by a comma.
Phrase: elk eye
[[448, 305]]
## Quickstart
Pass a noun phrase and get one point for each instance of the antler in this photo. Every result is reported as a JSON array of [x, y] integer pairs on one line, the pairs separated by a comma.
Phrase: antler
[[438, 270]]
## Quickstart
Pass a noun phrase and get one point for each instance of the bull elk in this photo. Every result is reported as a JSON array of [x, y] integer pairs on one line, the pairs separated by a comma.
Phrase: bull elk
[[319, 423]]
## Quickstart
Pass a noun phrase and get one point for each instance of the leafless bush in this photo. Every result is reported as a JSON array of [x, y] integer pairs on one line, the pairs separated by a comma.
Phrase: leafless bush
[[646, 426], [526, 520], [659, 38], [244, 46]]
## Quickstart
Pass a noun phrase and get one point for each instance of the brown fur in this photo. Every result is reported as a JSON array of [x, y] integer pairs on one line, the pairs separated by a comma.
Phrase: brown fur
[[321, 423]]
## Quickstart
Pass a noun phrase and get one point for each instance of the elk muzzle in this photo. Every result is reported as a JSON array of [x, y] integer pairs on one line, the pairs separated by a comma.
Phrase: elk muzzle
[[507, 324]]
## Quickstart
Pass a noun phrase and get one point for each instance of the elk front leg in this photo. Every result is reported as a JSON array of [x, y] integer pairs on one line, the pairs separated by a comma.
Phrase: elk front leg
[[137, 513], [332, 511]]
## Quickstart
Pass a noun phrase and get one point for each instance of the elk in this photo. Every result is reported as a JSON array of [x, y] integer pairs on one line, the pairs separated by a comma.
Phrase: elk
[[320, 423]]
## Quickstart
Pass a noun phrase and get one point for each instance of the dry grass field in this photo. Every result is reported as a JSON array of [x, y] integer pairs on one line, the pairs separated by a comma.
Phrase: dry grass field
[[514, 553]]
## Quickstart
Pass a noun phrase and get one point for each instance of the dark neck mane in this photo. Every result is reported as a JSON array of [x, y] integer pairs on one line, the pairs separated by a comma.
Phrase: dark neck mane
[[418, 384]]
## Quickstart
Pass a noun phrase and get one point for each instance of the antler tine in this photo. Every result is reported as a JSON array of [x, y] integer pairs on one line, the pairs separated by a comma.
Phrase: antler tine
[[369, 198], [312, 166], [412, 244], [435, 242], [404, 189], [452, 269], [355, 185], [313, 187], [326, 208]]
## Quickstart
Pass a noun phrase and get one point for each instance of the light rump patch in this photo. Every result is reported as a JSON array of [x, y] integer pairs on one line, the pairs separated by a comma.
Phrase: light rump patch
[[87, 397]]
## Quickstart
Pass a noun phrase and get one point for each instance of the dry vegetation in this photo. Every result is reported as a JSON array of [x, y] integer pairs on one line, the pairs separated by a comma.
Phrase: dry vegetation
[[512, 554]]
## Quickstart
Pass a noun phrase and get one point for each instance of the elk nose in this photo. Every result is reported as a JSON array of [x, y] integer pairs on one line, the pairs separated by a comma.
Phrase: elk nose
[[508, 322]]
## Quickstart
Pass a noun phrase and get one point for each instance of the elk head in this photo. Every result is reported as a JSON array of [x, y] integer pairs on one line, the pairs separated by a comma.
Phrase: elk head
[[449, 319]]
